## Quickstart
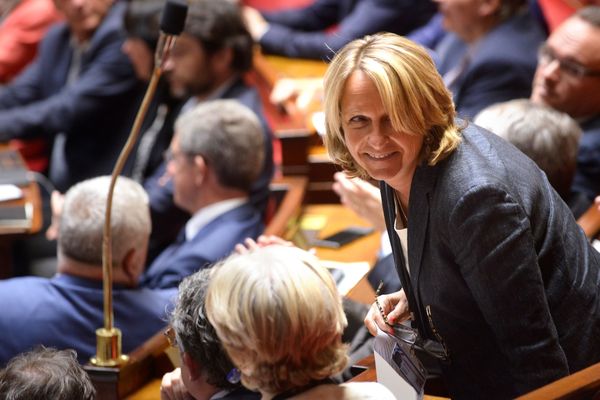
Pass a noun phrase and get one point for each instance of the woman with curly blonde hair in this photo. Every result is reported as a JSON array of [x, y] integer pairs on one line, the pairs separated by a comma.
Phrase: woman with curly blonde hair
[[279, 316]]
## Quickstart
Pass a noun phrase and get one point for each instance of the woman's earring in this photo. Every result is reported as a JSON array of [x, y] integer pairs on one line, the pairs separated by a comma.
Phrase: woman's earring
[[234, 376]]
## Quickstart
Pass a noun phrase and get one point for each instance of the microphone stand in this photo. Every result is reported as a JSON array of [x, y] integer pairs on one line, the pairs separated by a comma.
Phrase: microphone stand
[[108, 338]]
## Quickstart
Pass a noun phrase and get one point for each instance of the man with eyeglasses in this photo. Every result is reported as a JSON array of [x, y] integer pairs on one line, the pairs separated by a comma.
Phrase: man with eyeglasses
[[215, 157], [568, 79], [208, 62]]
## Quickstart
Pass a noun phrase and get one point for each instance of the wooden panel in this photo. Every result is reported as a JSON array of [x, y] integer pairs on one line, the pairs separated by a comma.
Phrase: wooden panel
[[590, 221], [584, 384], [289, 206], [32, 203], [291, 126], [147, 363]]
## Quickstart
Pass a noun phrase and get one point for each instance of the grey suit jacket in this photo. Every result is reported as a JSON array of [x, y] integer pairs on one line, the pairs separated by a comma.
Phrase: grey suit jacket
[[503, 274]]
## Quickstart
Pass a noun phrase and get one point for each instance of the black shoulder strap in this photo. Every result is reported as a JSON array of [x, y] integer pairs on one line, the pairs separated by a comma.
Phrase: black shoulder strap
[[389, 211]]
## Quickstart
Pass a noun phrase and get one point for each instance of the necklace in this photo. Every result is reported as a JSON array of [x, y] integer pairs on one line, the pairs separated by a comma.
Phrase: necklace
[[402, 213]]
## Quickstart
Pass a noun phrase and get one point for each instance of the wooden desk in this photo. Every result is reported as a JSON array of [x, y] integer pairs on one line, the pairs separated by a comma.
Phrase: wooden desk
[[293, 126], [338, 217], [584, 384], [590, 221], [31, 200]]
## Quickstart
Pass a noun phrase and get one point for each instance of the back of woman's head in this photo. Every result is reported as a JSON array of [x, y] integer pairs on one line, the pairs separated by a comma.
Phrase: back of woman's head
[[279, 316]]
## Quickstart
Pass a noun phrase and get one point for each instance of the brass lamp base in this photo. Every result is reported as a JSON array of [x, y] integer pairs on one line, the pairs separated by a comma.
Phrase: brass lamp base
[[108, 348]]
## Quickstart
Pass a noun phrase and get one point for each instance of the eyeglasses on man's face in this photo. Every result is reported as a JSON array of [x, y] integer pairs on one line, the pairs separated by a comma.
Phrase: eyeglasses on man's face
[[572, 68], [171, 337], [170, 155]]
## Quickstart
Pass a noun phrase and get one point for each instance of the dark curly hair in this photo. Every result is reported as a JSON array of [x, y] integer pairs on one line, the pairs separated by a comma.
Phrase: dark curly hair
[[196, 335], [218, 25]]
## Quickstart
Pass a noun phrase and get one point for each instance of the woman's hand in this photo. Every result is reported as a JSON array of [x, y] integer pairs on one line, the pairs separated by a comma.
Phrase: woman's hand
[[172, 387], [395, 307]]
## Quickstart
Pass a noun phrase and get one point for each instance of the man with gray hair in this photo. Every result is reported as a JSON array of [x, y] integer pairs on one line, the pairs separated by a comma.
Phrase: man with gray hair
[[215, 156], [66, 310], [549, 137]]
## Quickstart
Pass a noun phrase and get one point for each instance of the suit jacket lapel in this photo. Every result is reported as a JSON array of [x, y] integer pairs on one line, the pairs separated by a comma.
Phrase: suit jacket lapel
[[418, 218]]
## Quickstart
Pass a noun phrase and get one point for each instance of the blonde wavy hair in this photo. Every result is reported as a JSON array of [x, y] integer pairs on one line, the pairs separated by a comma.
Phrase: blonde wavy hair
[[412, 92], [279, 316]]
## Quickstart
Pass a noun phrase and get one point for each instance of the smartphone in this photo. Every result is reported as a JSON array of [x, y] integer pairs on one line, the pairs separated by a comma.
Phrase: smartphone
[[343, 237]]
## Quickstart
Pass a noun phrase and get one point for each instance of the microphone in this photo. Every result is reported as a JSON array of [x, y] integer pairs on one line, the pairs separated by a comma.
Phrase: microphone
[[171, 25], [108, 338]]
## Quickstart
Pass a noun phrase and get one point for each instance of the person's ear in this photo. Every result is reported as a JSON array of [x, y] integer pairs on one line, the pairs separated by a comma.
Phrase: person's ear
[[489, 7], [201, 168], [192, 367], [221, 60], [132, 267]]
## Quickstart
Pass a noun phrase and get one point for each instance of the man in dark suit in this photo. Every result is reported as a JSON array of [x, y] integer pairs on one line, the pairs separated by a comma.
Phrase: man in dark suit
[[66, 310], [568, 80], [207, 63], [303, 32], [80, 93], [489, 54], [215, 156]]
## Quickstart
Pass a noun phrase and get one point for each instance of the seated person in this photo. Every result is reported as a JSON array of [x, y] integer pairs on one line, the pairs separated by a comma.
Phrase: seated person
[[206, 371], [23, 25], [303, 32], [215, 157], [208, 62], [43, 374], [80, 93], [568, 80], [142, 23], [66, 310], [281, 321], [489, 54], [548, 137]]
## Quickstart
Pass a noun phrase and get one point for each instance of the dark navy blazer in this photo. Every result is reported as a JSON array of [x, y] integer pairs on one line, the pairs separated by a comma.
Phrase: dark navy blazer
[[167, 218], [213, 242], [301, 32], [511, 281], [587, 173], [65, 311], [501, 67], [95, 112]]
